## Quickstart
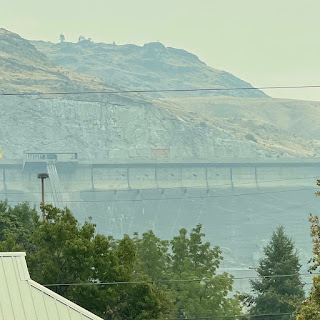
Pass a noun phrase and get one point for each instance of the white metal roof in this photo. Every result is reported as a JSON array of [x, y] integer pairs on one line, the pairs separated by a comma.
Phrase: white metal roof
[[24, 299]]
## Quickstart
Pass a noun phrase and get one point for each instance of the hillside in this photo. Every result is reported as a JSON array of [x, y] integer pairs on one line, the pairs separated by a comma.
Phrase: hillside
[[130, 125], [152, 66], [285, 126], [24, 69]]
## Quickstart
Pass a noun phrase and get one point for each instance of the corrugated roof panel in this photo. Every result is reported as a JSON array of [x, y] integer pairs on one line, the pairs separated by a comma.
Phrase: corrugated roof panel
[[13, 289], [5, 299], [1, 314], [75, 316], [51, 305], [63, 310], [23, 299], [22, 268], [41, 311], [28, 302]]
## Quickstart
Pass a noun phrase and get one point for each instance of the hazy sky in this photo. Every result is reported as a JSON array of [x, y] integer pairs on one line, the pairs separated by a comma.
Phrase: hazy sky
[[266, 43]]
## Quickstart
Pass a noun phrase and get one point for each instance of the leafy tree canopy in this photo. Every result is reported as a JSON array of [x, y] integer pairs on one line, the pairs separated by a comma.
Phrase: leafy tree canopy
[[61, 252], [192, 258], [16, 226], [188, 257]]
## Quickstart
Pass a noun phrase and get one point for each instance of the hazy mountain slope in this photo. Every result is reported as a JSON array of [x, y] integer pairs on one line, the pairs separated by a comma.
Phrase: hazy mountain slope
[[284, 126], [23, 68], [102, 130], [129, 130], [129, 126], [118, 126], [152, 66], [268, 120]]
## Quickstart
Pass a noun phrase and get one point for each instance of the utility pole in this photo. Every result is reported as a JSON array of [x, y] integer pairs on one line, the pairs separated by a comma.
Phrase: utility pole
[[42, 176]]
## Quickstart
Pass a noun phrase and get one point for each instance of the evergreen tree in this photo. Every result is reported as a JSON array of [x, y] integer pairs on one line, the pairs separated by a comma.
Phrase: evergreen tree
[[274, 294]]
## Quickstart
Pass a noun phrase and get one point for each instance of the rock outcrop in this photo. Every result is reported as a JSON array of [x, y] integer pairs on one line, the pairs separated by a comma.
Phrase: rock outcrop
[[150, 67]]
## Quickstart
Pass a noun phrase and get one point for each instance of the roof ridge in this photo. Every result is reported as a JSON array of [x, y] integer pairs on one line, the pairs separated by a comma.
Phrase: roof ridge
[[12, 254], [25, 299], [57, 297]]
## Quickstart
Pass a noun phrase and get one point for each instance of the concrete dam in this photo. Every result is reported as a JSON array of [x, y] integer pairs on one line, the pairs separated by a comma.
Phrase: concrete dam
[[239, 202], [79, 175]]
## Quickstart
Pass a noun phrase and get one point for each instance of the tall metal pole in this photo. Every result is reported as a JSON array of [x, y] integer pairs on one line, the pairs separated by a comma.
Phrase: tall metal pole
[[42, 176], [42, 190]]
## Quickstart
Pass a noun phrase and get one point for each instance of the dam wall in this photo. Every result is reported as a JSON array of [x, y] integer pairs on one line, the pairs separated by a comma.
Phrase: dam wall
[[16, 176]]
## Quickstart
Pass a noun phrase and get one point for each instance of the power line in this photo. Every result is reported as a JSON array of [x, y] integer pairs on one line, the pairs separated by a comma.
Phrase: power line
[[166, 199], [118, 283], [158, 91], [172, 280], [168, 188], [277, 276], [233, 317]]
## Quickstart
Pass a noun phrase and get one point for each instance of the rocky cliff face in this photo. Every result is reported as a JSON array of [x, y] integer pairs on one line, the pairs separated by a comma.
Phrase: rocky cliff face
[[127, 129], [129, 126], [102, 130]]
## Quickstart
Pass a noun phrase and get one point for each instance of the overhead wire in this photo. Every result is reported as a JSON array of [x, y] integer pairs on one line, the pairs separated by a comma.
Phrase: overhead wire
[[166, 199], [171, 188], [176, 280], [232, 317], [157, 90]]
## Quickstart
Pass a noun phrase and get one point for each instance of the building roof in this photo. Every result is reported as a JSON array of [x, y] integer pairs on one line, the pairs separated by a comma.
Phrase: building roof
[[24, 299]]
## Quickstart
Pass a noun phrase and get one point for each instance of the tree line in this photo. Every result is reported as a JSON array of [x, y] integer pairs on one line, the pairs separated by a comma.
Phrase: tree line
[[145, 277]]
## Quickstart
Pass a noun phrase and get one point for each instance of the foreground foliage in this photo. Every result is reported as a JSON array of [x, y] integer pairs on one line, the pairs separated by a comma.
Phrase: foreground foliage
[[201, 293], [310, 309], [60, 253], [274, 294]]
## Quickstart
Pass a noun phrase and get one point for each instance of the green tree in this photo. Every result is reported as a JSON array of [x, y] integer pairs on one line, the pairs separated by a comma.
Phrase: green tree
[[310, 308], [16, 226], [115, 261], [120, 279], [274, 294], [209, 294], [154, 259], [63, 252]]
